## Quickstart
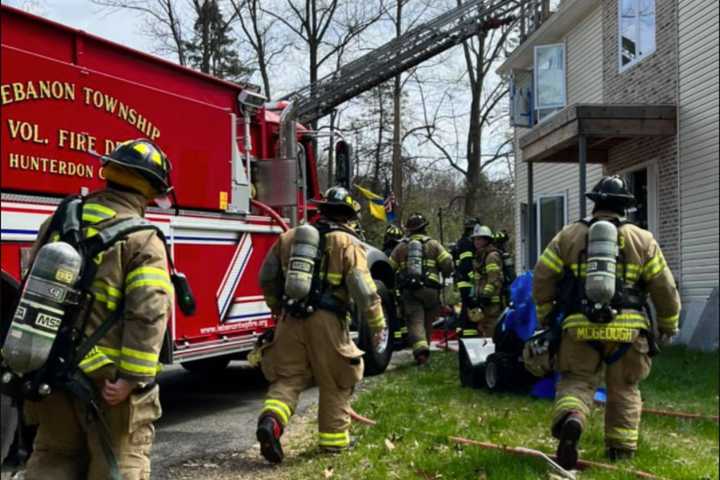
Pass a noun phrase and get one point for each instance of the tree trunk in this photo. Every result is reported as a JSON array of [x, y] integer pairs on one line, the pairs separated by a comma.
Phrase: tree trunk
[[397, 186]]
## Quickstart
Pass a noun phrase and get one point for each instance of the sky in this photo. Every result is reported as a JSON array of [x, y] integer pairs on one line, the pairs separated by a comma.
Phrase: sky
[[126, 28]]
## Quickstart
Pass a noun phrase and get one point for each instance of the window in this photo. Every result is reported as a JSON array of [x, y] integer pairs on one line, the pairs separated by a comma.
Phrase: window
[[637, 31], [551, 212], [549, 79], [642, 182]]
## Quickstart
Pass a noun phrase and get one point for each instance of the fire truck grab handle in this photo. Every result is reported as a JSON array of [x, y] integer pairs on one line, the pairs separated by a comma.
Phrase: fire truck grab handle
[[272, 213]]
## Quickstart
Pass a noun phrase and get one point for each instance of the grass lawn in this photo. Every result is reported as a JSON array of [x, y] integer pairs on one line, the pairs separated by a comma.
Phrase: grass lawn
[[417, 409]]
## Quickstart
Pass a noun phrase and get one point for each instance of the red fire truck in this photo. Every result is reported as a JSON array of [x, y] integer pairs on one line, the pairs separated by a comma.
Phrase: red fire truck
[[244, 169]]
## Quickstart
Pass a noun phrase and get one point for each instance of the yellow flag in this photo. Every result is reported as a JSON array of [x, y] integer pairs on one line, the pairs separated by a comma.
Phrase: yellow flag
[[376, 203]]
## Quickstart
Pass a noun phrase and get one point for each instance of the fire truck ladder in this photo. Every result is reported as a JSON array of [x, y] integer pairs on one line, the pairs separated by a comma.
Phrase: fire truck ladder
[[401, 54]]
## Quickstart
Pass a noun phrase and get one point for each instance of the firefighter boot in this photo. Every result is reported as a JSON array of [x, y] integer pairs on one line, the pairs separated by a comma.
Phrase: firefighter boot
[[569, 435], [269, 432], [618, 454], [422, 356]]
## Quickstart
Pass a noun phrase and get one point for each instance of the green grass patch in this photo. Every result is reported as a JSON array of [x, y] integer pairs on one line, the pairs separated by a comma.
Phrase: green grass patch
[[417, 409]]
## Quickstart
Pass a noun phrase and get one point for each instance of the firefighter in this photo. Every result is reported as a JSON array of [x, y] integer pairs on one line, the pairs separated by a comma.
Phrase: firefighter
[[393, 235], [488, 301], [418, 259], [132, 281], [308, 279], [611, 265], [463, 253]]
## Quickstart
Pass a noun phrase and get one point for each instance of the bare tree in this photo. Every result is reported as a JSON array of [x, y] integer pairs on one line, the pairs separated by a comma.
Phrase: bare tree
[[481, 54], [164, 23], [258, 30], [327, 27]]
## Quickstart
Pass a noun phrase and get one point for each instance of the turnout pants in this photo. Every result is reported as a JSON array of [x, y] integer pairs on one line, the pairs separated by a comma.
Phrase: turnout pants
[[316, 348], [67, 445], [421, 309], [582, 367]]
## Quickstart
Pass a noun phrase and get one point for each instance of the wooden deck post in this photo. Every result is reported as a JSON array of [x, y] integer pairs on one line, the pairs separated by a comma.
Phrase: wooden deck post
[[582, 156]]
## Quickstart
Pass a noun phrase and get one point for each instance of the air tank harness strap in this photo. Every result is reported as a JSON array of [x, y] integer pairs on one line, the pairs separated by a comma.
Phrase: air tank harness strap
[[614, 356]]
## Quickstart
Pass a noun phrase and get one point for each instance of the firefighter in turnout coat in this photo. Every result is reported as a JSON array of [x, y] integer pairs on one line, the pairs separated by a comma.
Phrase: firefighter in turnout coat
[[312, 341], [132, 278], [488, 303], [464, 276], [610, 341], [418, 260]]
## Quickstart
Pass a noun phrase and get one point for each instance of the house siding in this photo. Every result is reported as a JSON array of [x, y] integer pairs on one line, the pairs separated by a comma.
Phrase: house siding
[[699, 146], [584, 85], [653, 80]]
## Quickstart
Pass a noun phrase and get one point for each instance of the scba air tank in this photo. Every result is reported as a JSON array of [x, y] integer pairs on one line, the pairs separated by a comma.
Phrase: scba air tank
[[415, 258], [47, 294], [601, 262], [303, 253]]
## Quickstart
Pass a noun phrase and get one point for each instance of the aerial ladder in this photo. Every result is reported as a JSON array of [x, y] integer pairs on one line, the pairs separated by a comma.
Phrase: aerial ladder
[[401, 54]]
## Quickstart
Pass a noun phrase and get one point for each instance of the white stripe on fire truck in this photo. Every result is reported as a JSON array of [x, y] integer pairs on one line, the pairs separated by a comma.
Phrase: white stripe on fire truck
[[234, 274], [241, 312]]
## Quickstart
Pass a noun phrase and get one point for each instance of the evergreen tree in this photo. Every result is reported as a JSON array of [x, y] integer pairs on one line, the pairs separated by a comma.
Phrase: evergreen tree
[[211, 48]]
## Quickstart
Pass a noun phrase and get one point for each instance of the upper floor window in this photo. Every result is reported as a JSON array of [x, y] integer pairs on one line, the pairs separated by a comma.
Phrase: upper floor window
[[549, 79], [637, 31]]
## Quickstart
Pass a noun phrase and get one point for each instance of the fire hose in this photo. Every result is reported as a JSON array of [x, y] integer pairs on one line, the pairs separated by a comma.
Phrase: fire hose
[[528, 452]]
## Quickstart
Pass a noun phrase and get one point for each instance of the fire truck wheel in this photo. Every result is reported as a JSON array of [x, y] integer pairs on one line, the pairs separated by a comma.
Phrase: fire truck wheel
[[377, 358], [207, 365]]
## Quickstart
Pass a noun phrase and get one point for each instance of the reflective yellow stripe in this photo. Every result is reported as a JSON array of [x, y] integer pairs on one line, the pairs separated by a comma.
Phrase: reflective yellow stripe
[[472, 275], [334, 278], [432, 276], [107, 289], [334, 439], [143, 271], [624, 320], [286, 410], [463, 284], [670, 321], [443, 256], [139, 354], [430, 263], [148, 277], [109, 303], [654, 267], [283, 419], [144, 370], [98, 357], [495, 299], [583, 269], [563, 404], [470, 331], [492, 267], [553, 256], [465, 255], [420, 344], [377, 320], [96, 213], [91, 232], [489, 288], [551, 264], [623, 434]]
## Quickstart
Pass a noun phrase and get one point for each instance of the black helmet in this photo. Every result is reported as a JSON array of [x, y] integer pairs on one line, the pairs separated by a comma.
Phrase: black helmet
[[146, 159], [612, 192], [416, 223], [337, 200], [393, 232], [470, 222]]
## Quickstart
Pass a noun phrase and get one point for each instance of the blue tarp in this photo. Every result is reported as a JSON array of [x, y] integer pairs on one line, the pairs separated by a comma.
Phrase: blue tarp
[[520, 317]]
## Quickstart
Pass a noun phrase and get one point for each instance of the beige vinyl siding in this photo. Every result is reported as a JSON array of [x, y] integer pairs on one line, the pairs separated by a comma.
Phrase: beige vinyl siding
[[698, 100], [584, 85], [585, 60]]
